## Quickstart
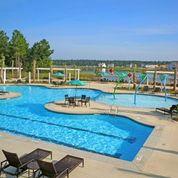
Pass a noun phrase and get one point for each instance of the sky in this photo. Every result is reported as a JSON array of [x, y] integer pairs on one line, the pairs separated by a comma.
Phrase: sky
[[97, 29]]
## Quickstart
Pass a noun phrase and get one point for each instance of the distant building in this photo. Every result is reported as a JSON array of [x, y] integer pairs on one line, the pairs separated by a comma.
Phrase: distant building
[[103, 66], [151, 66], [131, 65]]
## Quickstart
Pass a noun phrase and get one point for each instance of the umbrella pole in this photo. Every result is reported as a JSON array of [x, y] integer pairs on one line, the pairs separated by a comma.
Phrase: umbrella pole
[[75, 91]]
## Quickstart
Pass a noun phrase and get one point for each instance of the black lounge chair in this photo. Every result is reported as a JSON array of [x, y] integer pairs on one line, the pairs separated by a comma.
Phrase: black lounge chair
[[145, 88], [60, 168], [157, 90], [175, 92], [171, 110], [20, 163], [3, 92]]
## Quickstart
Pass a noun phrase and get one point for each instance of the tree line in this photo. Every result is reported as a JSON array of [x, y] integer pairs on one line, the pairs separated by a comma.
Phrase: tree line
[[17, 52], [88, 62]]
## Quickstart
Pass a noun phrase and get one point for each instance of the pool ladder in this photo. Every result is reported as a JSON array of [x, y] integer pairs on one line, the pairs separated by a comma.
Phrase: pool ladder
[[114, 109]]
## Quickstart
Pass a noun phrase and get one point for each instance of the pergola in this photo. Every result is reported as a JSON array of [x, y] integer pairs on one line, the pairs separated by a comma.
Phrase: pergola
[[157, 72], [4, 72], [66, 71]]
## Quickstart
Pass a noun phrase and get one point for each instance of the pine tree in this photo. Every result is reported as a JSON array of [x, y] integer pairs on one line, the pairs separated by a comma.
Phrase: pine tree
[[41, 52], [4, 44], [18, 48]]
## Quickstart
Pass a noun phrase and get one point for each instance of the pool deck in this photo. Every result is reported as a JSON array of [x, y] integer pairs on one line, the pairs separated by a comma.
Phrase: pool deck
[[157, 158], [9, 95], [94, 108], [105, 87]]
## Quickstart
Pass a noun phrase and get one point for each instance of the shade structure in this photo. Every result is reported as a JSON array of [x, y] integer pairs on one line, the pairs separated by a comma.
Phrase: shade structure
[[77, 83], [58, 74]]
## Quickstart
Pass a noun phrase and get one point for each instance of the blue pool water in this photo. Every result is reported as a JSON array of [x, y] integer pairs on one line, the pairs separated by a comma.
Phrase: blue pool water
[[142, 100], [115, 136]]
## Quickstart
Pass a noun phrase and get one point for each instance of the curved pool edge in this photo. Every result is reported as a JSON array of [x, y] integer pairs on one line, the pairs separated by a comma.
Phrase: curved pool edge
[[148, 124], [79, 148], [99, 90], [10, 95], [107, 92], [102, 103]]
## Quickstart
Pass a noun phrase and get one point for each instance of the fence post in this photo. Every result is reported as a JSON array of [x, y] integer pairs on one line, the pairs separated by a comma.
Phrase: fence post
[[34, 70], [49, 79], [175, 80], [29, 77], [154, 78]]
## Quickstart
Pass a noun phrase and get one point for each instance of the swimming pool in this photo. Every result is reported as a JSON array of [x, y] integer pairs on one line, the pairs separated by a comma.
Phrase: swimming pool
[[143, 100], [115, 136]]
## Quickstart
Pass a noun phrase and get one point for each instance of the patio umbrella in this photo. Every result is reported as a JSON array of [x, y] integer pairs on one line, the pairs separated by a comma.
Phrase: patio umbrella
[[77, 83], [58, 74]]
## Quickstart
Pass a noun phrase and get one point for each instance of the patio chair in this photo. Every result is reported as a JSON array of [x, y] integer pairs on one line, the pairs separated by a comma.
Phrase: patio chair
[[71, 101], [82, 99], [171, 110], [60, 168], [87, 101], [19, 164], [66, 99]]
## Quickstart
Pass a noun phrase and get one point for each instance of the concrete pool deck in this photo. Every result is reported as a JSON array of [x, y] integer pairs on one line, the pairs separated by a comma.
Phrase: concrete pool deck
[[157, 158], [9, 95], [94, 108]]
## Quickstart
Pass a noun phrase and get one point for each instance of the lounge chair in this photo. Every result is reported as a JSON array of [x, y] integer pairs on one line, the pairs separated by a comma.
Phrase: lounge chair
[[171, 110], [157, 89], [60, 168], [145, 88], [3, 92], [175, 92], [57, 83], [20, 163]]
